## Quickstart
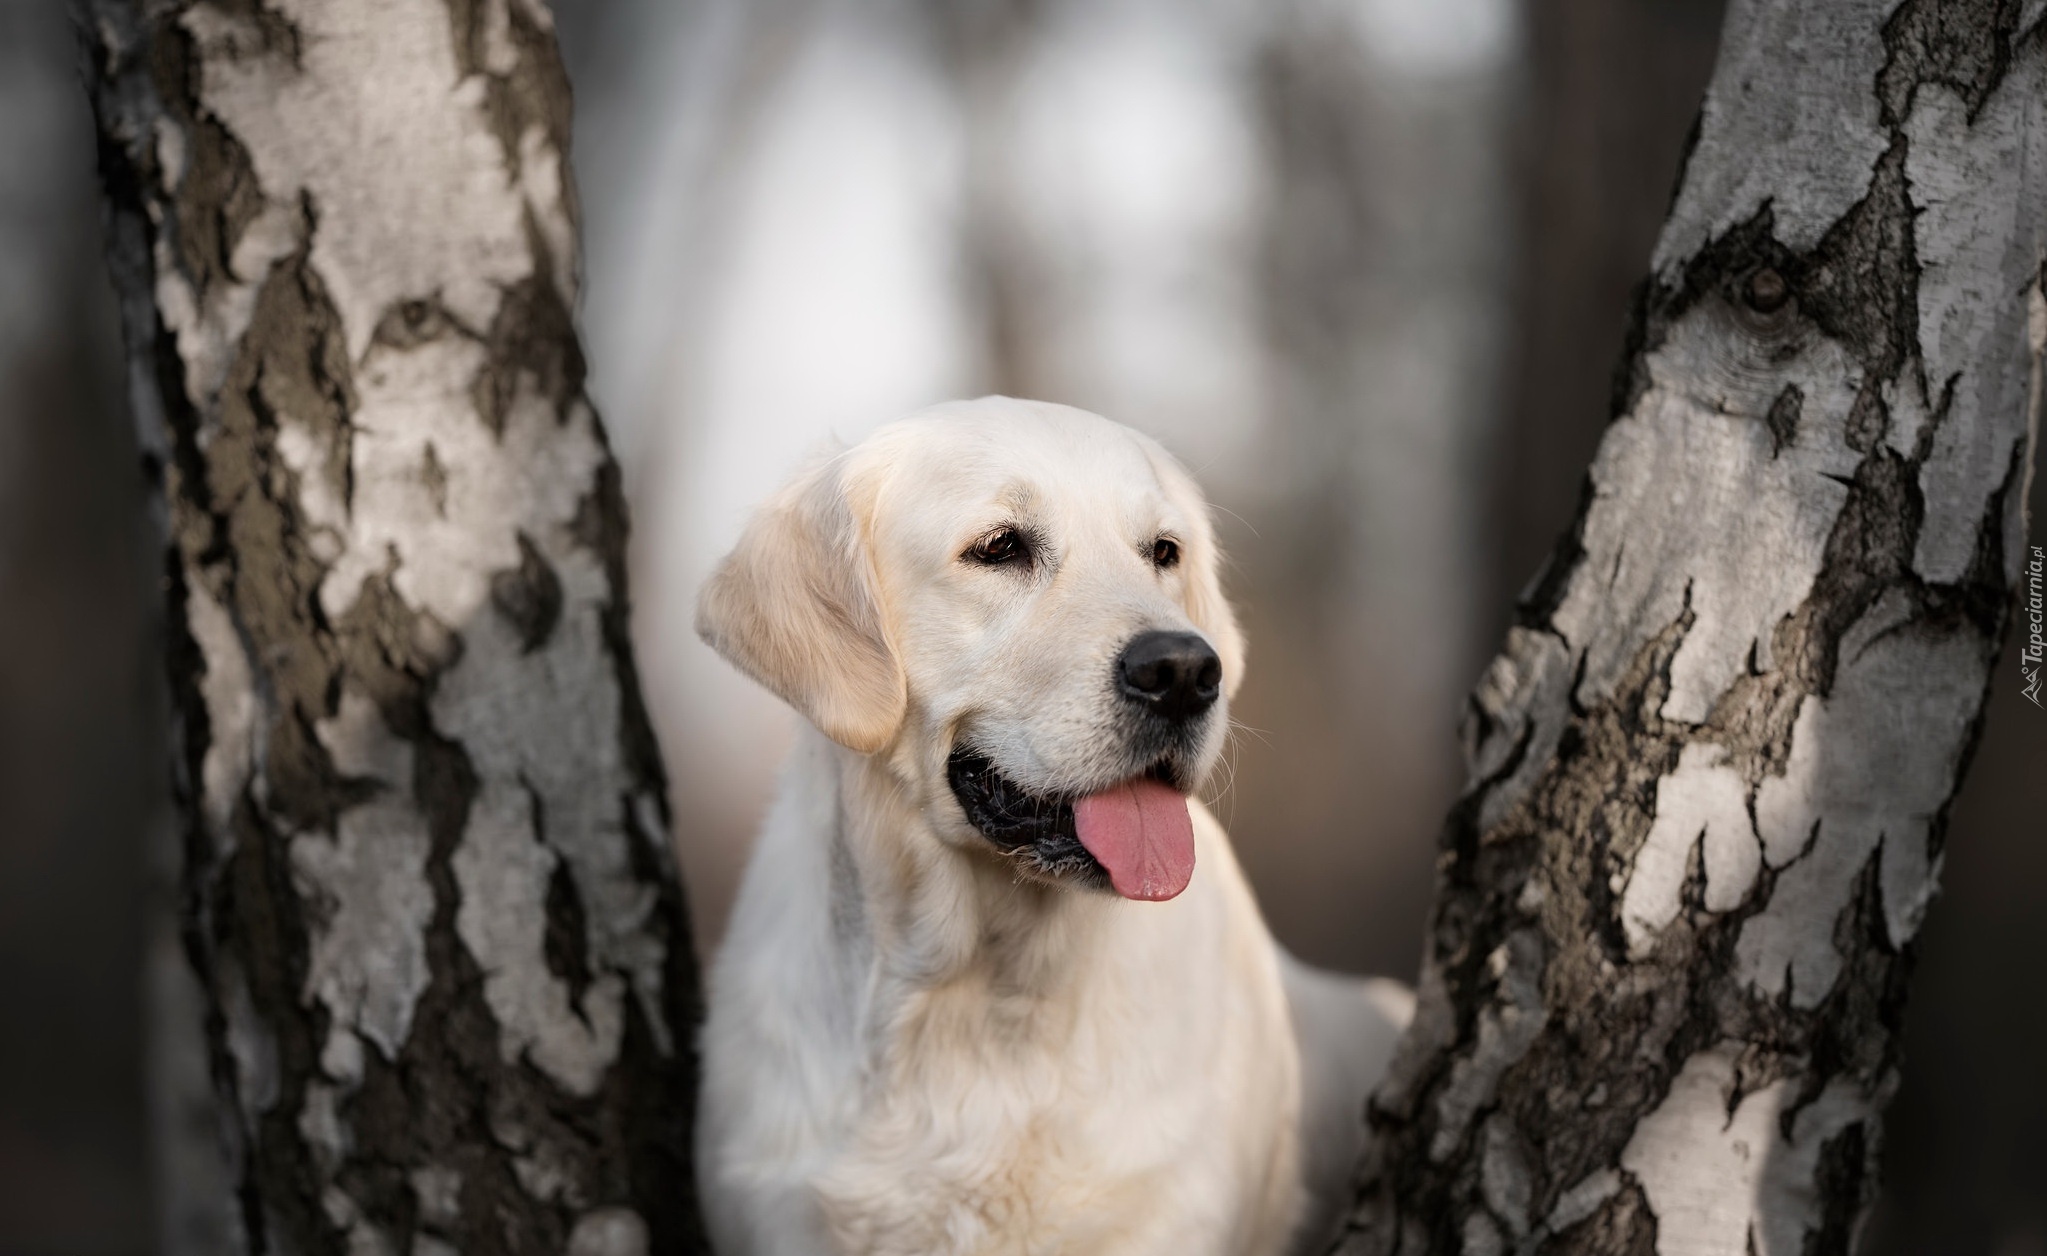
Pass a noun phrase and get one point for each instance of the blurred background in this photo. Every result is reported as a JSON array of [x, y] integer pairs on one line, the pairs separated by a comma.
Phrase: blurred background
[[1363, 264]]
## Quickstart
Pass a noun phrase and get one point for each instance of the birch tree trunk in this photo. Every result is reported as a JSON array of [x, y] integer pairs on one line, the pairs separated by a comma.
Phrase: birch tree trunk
[[427, 891], [1710, 773]]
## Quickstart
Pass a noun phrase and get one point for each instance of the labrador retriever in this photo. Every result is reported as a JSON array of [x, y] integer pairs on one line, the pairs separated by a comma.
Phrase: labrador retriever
[[994, 982]]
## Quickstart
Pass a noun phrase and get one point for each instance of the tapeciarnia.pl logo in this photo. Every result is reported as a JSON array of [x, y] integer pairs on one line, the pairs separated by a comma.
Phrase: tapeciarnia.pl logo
[[2036, 636]]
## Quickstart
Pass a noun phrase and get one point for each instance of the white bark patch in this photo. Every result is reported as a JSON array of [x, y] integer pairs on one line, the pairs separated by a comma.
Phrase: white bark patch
[[326, 513], [1703, 801], [1506, 1029], [368, 895], [1696, 459], [569, 695], [1978, 187], [230, 698], [1729, 1183], [499, 54], [444, 223], [503, 869], [364, 1238], [542, 182], [321, 1126], [438, 1190], [451, 536], [1818, 61], [546, 1174], [1910, 410], [1522, 696], [1581, 1201], [1504, 1177], [1871, 764], [1481, 1237], [609, 1232], [249, 1040], [1431, 1031]]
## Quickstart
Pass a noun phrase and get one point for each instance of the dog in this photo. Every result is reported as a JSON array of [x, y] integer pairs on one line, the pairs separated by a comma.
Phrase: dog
[[994, 982]]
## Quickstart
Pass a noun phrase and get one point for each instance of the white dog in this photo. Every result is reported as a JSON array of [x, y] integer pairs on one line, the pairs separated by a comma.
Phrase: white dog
[[993, 983]]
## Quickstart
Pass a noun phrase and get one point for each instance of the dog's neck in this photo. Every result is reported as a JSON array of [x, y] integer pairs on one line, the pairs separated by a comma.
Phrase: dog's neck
[[931, 914]]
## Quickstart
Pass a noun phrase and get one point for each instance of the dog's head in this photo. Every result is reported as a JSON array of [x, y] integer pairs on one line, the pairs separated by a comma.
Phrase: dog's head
[[1017, 605]]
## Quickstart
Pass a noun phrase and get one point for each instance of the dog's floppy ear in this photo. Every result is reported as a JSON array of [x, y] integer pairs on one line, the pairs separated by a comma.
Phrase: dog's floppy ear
[[794, 606]]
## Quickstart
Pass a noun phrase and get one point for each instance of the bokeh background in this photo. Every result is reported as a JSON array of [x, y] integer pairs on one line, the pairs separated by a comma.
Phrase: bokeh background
[[1364, 264]]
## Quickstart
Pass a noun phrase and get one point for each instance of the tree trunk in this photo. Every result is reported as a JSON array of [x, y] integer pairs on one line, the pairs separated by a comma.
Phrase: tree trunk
[[427, 891], [1710, 774]]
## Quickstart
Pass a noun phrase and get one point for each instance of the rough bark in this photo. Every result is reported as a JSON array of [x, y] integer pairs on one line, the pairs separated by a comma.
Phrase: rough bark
[[427, 892], [1711, 771]]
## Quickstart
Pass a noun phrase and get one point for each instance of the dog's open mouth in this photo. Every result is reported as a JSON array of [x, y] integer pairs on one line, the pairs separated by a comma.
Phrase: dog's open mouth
[[1135, 837]]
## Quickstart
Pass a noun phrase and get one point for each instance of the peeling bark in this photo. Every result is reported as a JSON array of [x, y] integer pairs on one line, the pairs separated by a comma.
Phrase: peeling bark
[[427, 892], [1711, 771]]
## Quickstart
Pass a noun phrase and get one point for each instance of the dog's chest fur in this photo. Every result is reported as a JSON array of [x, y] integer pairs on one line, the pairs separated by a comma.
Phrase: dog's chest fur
[[980, 1132], [948, 1063]]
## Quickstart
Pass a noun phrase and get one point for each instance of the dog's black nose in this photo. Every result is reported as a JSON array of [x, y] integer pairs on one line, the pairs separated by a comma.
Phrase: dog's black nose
[[1175, 674]]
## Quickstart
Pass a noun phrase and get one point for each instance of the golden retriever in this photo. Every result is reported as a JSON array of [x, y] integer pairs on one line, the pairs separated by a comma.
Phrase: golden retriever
[[994, 982]]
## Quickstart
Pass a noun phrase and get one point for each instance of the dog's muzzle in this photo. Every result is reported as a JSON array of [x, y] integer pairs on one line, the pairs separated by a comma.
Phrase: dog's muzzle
[[1135, 837], [1035, 830]]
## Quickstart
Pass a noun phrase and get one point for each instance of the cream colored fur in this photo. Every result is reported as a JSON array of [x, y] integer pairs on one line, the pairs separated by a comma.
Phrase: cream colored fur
[[911, 1048]]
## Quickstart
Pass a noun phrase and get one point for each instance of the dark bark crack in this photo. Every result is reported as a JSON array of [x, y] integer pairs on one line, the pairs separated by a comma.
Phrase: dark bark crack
[[1782, 420], [533, 93], [1962, 44], [529, 596], [566, 946], [532, 335], [218, 195], [1623, 1226]]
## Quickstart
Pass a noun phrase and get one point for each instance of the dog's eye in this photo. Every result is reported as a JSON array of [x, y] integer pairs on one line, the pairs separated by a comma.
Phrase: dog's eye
[[1165, 552], [1003, 548]]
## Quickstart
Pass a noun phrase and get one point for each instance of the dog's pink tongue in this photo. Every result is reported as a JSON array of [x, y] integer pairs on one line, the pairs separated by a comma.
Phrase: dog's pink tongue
[[1143, 835]]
